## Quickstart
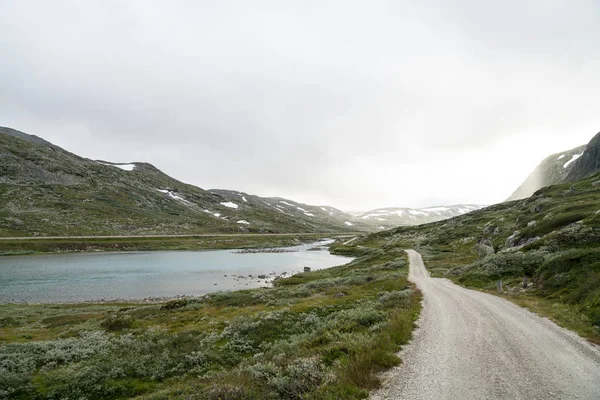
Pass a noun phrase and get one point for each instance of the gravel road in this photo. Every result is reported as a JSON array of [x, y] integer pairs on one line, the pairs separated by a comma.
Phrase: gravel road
[[473, 345]]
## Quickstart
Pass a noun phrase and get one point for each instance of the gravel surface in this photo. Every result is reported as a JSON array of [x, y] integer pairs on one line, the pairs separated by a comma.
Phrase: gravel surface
[[473, 345]]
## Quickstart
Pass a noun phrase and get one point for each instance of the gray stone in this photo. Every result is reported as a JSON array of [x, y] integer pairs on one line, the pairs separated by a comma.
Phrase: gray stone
[[511, 241], [484, 249]]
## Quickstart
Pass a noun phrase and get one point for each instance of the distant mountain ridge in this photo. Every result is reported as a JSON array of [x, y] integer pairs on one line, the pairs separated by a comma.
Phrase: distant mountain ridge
[[395, 216], [566, 166]]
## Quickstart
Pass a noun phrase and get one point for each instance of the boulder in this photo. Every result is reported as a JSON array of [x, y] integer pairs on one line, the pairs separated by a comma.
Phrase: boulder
[[484, 248], [512, 240]]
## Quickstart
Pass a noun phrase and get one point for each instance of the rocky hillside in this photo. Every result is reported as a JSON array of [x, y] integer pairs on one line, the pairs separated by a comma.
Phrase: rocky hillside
[[46, 190], [588, 163], [386, 218], [566, 166]]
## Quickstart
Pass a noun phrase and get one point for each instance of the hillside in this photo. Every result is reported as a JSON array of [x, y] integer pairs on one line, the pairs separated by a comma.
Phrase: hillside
[[391, 217], [552, 170], [46, 190], [566, 166], [588, 163], [552, 237]]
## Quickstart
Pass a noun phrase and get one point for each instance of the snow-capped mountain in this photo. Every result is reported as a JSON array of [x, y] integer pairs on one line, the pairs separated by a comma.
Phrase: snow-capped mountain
[[393, 216]]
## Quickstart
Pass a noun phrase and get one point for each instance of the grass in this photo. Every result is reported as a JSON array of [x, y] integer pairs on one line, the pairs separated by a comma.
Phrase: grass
[[319, 335]]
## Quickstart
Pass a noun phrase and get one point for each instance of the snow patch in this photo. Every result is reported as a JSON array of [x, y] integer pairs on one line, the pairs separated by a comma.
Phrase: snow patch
[[561, 157], [301, 209], [243, 221], [243, 198], [174, 196], [229, 204], [287, 204], [309, 214], [348, 223], [575, 157], [416, 212], [125, 167]]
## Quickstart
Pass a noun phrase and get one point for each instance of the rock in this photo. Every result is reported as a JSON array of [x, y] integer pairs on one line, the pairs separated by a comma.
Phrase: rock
[[596, 183], [484, 248], [340, 294], [511, 241], [491, 229], [262, 277], [532, 223], [537, 209], [306, 269]]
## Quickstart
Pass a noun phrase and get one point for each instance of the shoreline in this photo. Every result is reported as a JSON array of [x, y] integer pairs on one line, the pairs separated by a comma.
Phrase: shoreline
[[11, 247]]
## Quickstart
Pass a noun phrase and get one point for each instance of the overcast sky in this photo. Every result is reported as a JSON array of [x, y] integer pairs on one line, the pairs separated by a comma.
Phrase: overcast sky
[[353, 104]]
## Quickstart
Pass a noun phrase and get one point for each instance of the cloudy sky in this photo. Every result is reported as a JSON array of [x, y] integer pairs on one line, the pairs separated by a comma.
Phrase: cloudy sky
[[354, 104]]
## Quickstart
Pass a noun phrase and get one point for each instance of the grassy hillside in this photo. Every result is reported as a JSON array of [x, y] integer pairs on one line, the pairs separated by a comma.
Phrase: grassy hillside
[[553, 238], [47, 191], [317, 335]]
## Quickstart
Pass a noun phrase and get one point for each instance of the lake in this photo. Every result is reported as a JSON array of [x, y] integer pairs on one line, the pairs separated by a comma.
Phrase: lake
[[141, 275]]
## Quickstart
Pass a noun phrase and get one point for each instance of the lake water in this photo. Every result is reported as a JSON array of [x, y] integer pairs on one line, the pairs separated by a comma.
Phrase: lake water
[[140, 275]]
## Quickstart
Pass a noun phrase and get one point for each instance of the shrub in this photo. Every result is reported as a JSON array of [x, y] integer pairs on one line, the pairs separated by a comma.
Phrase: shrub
[[175, 304], [116, 324]]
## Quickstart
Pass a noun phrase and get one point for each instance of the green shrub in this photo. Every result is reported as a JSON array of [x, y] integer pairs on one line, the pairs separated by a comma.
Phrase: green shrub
[[116, 324], [175, 304]]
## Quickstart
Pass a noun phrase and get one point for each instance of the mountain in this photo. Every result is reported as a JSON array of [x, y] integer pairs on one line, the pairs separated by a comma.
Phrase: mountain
[[566, 166], [391, 217], [588, 163], [554, 169], [46, 190]]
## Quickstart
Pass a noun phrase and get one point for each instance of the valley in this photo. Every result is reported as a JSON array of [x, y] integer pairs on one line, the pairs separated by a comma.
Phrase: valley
[[323, 334]]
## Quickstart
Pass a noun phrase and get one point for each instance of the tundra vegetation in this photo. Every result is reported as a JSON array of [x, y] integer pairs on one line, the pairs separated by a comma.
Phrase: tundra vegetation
[[317, 335], [552, 238]]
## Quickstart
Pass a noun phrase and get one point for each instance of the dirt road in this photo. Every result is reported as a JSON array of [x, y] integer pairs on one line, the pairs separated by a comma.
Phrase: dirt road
[[472, 345]]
